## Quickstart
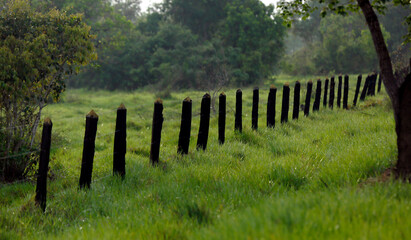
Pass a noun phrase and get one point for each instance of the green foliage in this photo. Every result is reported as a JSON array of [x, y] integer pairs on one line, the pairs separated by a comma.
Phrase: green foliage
[[254, 36], [38, 50], [183, 44], [341, 44]]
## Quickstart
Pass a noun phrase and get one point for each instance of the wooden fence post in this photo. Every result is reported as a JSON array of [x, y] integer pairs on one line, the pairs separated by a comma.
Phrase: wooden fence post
[[374, 84], [156, 132], [222, 117], [308, 98], [316, 106], [339, 91], [296, 105], [254, 113], [41, 189], [365, 88], [271, 106], [357, 89], [379, 83], [120, 142], [286, 103], [204, 122], [371, 85], [238, 126], [332, 92], [88, 149], [325, 92], [346, 89], [185, 127]]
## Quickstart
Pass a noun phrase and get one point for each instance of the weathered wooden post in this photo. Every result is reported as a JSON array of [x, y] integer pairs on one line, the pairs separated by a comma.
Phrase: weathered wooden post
[[286, 103], [308, 98], [346, 89], [120, 142], [204, 122], [88, 149], [371, 85], [222, 117], [325, 92], [332, 92], [357, 89], [296, 105], [374, 84], [41, 189], [254, 114], [185, 127], [339, 91], [271, 106], [156, 132], [379, 83], [316, 106], [365, 88], [238, 126]]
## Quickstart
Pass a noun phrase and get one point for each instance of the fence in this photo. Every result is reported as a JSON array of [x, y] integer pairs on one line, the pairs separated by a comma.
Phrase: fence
[[120, 133]]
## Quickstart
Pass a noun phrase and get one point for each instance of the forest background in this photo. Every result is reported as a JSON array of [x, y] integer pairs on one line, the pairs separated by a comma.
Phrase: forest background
[[205, 44]]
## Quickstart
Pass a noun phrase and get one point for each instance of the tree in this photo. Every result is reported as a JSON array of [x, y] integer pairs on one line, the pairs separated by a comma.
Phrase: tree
[[254, 38], [37, 52], [398, 88]]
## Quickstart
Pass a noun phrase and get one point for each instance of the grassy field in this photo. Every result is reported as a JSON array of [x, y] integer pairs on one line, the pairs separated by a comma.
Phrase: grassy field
[[315, 178]]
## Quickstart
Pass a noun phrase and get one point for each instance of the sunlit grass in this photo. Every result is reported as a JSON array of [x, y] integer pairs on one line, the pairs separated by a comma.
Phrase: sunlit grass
[[304, 179]]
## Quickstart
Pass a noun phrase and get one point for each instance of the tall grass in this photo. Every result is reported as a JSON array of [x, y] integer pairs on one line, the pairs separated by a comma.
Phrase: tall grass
[[312, 178]]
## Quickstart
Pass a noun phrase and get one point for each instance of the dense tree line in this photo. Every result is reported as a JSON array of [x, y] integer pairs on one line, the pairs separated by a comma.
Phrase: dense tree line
[[179, 43], [342, 44]]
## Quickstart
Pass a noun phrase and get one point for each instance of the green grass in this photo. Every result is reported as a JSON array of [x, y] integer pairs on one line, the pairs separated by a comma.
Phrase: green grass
[[315, 178]]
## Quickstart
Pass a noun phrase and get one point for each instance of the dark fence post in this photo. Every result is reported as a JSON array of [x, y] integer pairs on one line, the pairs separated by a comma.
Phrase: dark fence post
[[374, 84], [308, 98], [41, 189], [332, 92], [317, 100], [339, 91], [254, 113], [204, 122], [325, 92], [221, 117], [239, 111], [365, 88], [156, 132], [271, 106], [296, 105], [357, 89], [120, 142], [346, 89], [88, 149], [185, 127], [286, 103], [379, 83], [371, 85]]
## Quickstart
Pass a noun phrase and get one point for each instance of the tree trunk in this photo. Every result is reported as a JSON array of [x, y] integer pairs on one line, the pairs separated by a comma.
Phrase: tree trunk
[[392, 86]]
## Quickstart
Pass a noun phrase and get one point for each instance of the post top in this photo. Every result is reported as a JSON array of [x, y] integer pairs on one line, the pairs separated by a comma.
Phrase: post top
[[187, 99], [47, 120], [92, 114], [286, 84], [122, 106], [239, 90], [256, 88], [273, 86], [222, 94], [158, 101], [206, 95], [310, 81]]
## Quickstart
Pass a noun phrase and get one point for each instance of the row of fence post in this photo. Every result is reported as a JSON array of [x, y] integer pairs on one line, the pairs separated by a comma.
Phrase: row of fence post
[[120, 136]]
